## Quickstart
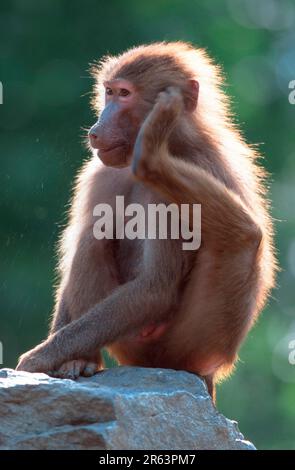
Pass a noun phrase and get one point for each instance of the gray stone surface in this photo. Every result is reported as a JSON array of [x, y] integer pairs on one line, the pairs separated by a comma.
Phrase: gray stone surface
[[121, 408]]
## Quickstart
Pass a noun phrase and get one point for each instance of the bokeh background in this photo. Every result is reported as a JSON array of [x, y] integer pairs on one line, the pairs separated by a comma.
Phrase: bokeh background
[[45, 50]]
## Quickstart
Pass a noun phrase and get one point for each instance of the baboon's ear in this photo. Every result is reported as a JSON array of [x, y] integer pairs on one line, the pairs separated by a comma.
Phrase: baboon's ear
[[191, 98]]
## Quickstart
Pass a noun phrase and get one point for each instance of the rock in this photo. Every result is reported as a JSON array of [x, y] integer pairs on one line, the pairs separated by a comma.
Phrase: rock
[[120, 408]]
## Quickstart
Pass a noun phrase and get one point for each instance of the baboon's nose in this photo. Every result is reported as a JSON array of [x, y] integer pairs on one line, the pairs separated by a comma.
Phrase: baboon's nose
[[93, 137]]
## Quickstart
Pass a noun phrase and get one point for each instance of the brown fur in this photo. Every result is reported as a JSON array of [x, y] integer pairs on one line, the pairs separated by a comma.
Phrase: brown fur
[[188, 150]]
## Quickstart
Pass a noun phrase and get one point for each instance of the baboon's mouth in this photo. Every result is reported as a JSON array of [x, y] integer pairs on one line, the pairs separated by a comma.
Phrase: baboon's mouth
[[106, 150]]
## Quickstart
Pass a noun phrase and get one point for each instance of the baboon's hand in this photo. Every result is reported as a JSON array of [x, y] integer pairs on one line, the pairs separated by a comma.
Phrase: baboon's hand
[[157, 127], [76, 368], [168, 106], [35, 360]]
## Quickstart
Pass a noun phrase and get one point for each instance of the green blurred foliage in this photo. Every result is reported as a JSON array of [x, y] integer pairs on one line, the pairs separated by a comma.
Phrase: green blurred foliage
[[45, 51]]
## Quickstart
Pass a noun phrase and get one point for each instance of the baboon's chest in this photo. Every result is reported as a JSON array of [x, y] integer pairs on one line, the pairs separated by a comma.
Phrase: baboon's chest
[[129, 258]]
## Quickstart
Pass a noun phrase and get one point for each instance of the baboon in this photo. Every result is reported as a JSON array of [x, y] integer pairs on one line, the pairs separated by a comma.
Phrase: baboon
[[165, 134]]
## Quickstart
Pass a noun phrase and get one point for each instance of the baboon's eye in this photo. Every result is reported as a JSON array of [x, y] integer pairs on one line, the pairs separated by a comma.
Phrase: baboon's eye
[[109, 91], [124, 92]]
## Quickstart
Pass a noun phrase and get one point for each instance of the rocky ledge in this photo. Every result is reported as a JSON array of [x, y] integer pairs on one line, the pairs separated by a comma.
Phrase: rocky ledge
[[120, 408]]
